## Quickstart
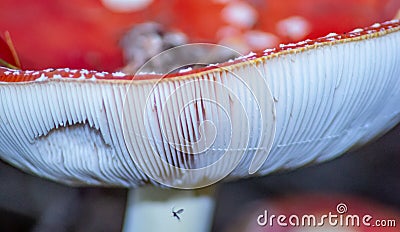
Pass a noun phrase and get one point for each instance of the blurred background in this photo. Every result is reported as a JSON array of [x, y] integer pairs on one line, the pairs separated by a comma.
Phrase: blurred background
[[112, 35]]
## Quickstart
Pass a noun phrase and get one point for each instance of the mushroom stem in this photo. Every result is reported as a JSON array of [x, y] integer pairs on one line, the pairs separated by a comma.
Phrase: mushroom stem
[[151, 209]]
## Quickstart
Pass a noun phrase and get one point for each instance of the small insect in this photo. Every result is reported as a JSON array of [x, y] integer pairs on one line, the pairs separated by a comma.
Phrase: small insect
[[176, 213]]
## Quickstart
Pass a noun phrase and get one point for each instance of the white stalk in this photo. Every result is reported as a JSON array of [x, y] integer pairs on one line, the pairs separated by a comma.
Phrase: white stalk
[[150, 209]]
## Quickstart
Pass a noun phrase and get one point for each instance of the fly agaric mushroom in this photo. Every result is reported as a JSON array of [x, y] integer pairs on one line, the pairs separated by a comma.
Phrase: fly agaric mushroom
[[84, 33], [297, 104]]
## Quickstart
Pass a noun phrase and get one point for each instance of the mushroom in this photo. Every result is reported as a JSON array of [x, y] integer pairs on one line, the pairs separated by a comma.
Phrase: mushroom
[[56, 41], [278, 109]]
